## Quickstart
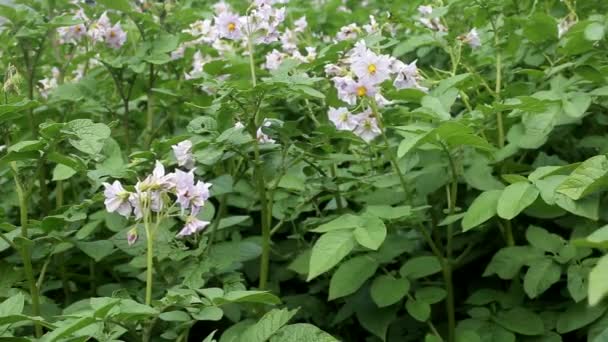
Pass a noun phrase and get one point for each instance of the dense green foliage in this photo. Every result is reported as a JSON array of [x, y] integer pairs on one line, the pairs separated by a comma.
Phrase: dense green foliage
[[378, 170]]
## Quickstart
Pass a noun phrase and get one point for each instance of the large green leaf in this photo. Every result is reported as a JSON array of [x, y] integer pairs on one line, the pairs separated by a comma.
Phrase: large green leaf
[[590, 176], [350, 275], [301, 332], [598, 281], [267, 326], [329, 250], [515, 198], [483, 208], [387, 290], [540, 276], [521, 321]]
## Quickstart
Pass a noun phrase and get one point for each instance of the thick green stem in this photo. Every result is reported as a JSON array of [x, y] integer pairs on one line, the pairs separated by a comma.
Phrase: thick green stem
[[25, 249], [452, 195], [149, 259], [261, 185]]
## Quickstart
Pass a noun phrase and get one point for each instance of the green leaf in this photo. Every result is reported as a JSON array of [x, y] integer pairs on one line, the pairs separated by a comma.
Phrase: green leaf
[[62, 172], [89, 136], [68, 327], [577, 316], [96, 249], [267, 326], [419, 267], [119, 5], [372, 232], [174, 316], [594, 31], [590, 176], [483, 208], [540, 276], [301, 332], [262, 297], [521, 321], [598, 281], [329, 250], [542, 239], [430, 294], [515, 198], [578, 282], [507, 262], [209, 313], [421, 311], [13, 305], [350, 275], [540, 28], [387, 290]]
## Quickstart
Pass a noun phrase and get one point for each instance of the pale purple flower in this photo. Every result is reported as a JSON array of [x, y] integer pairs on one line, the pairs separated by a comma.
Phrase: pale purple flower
[[190, 195], [350, 90], [408, 77], [71, 34], [425, 10], [115, 36], [367, 126], [198, 62], [97, 30], [117, 199], [301, 24], [371, 67], [192, 226], [348, 32], [178, 53], [229, 25], [289, 41], [342, 119], [183, 154], [132, 237], [334, 70], [274, 60], [472, 38]]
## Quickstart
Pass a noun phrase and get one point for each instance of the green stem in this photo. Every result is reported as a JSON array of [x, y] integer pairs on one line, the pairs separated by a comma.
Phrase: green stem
[[149, 261], [261, 185], [452, 194], [498, 87], [338, 195], [150, 109], [25, 249]]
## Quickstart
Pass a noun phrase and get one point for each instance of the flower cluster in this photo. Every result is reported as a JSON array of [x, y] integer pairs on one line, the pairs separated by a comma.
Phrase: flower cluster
[[359, 76], [100, 30], [155, 193], [429, 20]]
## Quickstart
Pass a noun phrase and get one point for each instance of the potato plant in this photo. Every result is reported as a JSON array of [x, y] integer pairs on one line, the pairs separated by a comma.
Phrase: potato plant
[[303, 170]]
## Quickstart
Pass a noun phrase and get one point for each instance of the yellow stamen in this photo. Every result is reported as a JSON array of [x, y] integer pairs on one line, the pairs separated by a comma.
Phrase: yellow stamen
[[361, 91], [371, 68], [231, 27]]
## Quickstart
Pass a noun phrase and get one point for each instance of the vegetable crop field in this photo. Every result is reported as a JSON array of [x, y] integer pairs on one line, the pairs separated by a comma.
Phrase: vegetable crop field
[[304, 170]]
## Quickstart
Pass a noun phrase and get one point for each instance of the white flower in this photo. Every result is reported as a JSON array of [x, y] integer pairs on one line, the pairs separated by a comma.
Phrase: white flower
[[221, 7], [349, 90], [274, 60], [239, 125], [373, 26], [348, 32], [229, 25], [261, 136], [431, 23], [564, 26], [367, 126], [115, 36], [190, 195], [371, 67], [192, 226], [342, 118], [117, 199], [301, 24], [198, 62], [183, 154], [472, 38]]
